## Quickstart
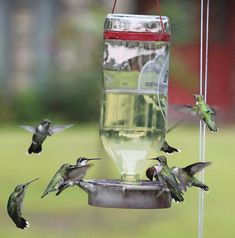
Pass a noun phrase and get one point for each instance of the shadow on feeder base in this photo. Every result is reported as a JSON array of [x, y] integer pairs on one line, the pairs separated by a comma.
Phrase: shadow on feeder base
[[116, 194]]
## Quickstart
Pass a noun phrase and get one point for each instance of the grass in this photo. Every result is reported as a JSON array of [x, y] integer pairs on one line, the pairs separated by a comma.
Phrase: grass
[[69, 215]]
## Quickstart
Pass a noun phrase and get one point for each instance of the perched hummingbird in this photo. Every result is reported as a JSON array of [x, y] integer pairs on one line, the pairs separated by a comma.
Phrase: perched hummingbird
[[14, 205], [162, 173], [41, 132], [77, 175], [203, 110], [186, 175], [68, 175]]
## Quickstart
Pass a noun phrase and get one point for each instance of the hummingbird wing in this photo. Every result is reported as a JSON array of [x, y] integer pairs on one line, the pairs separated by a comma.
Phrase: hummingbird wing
[[173, 185], [210, 110], [175, 125], [170, 178], [58, 128], [171, 182], [189, 109], [77, 172], [196, 167], [74, 174], [214, 110], [29, 128], [53, 185], [182, 180]]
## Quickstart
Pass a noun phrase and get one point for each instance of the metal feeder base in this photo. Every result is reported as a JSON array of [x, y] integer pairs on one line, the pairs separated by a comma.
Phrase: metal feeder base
[[117, 194]]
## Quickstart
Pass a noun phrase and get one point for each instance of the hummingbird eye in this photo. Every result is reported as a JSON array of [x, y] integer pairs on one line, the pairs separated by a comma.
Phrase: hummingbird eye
[[81, 159]]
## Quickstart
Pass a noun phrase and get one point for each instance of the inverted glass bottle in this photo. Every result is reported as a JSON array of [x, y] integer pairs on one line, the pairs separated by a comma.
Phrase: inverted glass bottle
[[134, 93]]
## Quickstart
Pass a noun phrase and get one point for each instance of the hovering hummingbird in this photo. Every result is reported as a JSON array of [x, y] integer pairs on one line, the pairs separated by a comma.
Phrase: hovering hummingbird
[[14, 205], [165, 146], [203, 110], [41, 132], [168, 149], [162, 173], [67, 176], [186, 175]]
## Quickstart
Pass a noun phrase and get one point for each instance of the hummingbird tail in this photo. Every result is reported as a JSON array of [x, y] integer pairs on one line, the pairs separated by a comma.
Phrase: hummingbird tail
[[59, 192], [204, 187], [61, 188], [177, 197], [213, 128], [170, 150], [22, 223], [44, 194], [201, 186], [35, 148]]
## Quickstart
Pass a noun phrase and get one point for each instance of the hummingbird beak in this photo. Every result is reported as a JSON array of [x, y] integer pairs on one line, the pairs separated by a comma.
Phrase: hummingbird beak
[[94, 159], [31, 181], [152, 159]]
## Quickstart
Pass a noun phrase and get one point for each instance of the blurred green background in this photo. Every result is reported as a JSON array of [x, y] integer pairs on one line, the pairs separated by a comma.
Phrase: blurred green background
[[50, 67], [70, 215]]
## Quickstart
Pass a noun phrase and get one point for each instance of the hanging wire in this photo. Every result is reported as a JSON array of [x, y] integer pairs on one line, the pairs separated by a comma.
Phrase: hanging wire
[[201, 133], [207, 42], [159, 13], [158, 10], [114, 5], [202, 143]]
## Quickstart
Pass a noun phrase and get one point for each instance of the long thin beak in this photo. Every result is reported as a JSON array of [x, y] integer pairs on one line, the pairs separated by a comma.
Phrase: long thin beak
[[152, 159], [31, 181], [94, 159]]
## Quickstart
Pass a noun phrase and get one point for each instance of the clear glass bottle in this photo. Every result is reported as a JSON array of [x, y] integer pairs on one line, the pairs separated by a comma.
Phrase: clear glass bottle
[[134, 92]]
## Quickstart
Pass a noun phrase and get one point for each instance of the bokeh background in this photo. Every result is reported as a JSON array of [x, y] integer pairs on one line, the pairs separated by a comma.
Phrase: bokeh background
[[51, 67]]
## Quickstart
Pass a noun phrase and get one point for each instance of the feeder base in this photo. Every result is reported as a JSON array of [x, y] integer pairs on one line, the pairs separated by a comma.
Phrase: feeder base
[[117, 194]]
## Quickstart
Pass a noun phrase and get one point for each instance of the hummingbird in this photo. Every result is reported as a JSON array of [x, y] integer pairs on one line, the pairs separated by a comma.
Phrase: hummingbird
[[14, 205], [168, 149], [67, 176], [203, 110], [162, 173], [186, 175], [165, 146], [82, 166], [41, 132]]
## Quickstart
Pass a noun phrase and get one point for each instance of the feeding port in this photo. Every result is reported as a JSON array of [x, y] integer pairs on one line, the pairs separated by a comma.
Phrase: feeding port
[[117, 194]]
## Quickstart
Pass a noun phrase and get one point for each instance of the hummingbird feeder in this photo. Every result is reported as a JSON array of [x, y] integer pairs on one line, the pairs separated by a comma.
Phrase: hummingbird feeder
[[133, 109]]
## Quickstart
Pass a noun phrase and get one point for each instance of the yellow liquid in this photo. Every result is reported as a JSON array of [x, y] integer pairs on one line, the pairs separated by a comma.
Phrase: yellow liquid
[[132, 128]]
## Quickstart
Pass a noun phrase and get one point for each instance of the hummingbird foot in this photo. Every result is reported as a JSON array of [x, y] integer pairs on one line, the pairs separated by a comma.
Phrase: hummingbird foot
[[163, 190], [78, 182]]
